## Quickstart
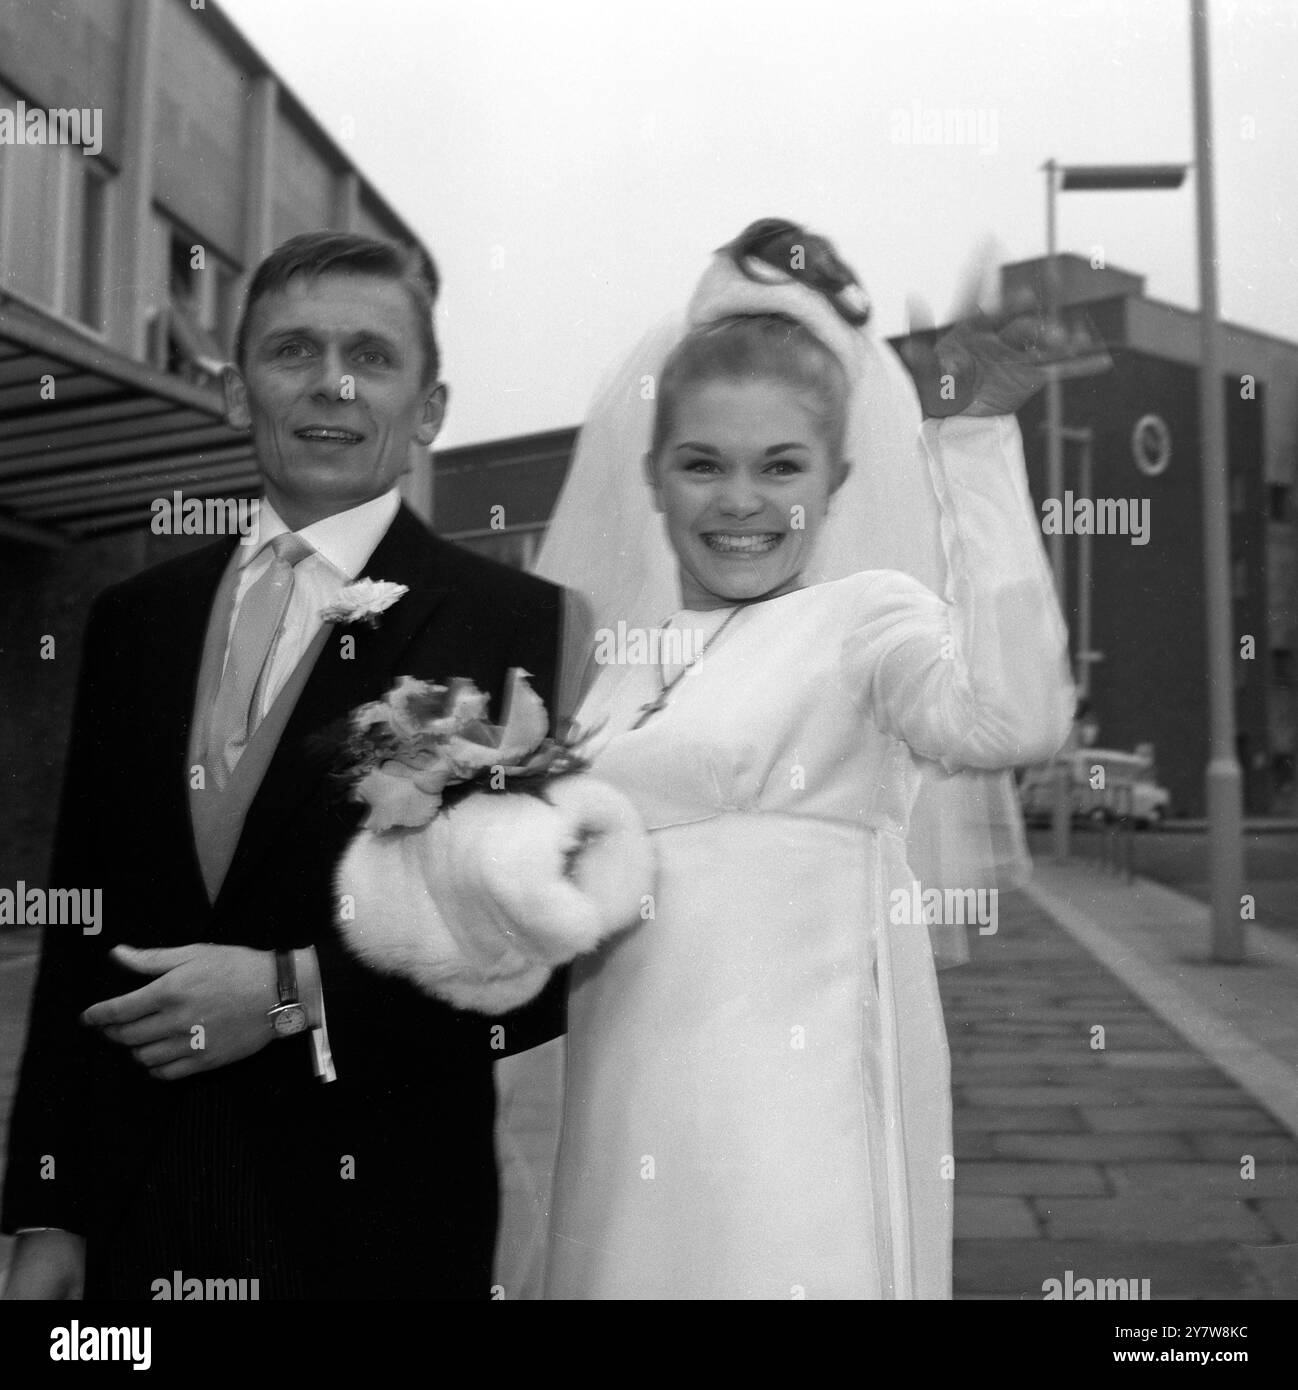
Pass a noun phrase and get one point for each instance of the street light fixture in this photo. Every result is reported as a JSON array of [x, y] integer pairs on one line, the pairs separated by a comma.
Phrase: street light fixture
[[1082, 178]]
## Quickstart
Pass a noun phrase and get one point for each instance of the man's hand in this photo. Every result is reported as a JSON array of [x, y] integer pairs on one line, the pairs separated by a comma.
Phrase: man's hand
[[205, 1008], [49, 1265], [986, 364]]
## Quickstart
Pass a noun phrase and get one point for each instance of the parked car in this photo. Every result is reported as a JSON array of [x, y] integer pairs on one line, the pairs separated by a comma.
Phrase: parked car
[[1125, 775]]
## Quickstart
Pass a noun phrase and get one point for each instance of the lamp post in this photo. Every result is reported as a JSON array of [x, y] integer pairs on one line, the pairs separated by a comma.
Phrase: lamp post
[[1062, 815], [1222, 780], [1079, 178]]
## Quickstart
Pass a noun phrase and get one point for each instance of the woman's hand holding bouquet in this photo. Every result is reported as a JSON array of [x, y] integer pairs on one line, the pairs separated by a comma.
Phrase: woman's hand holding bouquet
[[488, 855]]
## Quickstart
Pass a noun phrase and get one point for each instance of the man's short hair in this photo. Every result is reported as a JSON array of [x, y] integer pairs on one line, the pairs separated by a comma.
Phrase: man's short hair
[[328, 253]]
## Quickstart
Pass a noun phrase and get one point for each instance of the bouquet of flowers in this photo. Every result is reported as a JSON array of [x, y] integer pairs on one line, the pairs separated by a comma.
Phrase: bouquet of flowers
[[488, 855]]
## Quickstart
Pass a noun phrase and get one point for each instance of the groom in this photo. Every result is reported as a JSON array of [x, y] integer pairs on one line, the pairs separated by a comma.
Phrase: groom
[[212, 1088]]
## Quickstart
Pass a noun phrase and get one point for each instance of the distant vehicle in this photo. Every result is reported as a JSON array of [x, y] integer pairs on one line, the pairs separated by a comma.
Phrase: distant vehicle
[[1129, 788]]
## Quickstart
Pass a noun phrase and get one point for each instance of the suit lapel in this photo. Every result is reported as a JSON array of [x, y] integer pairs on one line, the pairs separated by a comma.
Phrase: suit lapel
[[182, 607], [407, 554]]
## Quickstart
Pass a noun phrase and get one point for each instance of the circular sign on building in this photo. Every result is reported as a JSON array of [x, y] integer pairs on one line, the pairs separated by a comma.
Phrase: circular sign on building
[[1151, 445]]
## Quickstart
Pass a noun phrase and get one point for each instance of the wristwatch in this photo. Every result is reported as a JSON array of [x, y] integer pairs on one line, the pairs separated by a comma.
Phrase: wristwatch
[[289, 1015]]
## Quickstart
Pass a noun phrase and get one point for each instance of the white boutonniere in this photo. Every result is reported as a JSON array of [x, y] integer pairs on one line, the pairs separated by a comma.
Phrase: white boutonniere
[[363, 601]]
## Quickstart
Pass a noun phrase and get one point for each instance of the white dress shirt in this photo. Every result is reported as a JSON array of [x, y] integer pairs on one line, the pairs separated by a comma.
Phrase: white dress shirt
[[343, 544]]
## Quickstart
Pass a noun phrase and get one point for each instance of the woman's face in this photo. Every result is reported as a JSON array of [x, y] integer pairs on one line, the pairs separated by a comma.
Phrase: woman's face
[[743, 480]]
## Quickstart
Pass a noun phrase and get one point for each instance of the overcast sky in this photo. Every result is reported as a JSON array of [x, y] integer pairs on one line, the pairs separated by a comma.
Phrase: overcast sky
[[571, 163]]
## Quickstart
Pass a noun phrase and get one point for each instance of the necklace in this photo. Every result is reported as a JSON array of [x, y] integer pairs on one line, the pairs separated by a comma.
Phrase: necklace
[[665, 687]]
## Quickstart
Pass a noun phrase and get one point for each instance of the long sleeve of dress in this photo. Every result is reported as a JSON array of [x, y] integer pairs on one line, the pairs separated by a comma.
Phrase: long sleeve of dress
[[980, 680]]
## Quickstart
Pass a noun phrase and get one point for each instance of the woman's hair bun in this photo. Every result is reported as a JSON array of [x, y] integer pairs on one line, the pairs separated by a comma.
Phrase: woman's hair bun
[[803, 256]]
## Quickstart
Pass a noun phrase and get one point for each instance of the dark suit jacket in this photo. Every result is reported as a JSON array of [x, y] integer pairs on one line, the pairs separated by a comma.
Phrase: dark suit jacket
[[379, 1184]]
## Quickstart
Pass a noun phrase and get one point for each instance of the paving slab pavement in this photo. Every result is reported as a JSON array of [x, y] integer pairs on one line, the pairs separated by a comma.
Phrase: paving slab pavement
[[1122, 1109]]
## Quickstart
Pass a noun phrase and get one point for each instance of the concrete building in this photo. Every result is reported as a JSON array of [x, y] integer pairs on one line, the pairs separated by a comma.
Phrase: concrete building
[[1135, 608], [149, 158], [1147, 626]]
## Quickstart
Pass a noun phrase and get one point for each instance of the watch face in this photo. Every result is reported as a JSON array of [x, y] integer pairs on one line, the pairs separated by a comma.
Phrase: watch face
[[289, 1019]]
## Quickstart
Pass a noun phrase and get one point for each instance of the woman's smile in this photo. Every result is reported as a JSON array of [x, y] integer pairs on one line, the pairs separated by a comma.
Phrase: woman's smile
[[742, 544]]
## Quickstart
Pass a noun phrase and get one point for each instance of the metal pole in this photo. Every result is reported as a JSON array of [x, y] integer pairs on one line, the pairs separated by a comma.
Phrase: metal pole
[[1061, 818], [1129, 831], [1054, 390], [1084, 607], [1222, 782]]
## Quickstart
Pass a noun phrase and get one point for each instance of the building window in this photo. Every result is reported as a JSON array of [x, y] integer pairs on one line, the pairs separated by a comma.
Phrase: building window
[[189, 336], [31, 207], [87, 231], [1277, 501], [54, 220], [30, 200]]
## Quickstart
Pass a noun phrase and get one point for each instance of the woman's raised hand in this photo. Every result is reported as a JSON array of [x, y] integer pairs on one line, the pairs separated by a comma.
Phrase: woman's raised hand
[[986, 363]]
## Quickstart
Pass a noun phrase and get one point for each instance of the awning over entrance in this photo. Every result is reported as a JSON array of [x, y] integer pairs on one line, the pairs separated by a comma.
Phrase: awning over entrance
[[89, 438]]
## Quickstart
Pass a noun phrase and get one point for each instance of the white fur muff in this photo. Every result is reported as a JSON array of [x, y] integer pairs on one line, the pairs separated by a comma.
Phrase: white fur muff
[[481, 904]]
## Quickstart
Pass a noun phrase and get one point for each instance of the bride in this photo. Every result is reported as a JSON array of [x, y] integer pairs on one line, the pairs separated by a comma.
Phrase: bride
[[756, 1098], [815, 629]]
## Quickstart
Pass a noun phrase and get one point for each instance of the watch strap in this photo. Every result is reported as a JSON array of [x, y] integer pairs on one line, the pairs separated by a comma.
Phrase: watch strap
[[286, 977]]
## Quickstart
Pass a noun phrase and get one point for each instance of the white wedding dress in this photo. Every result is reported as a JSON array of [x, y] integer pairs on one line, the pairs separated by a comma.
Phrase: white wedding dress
[[756, 1100]]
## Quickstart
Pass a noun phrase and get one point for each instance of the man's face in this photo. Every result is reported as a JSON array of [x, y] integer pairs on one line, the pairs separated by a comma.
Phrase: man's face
[[332, 387]]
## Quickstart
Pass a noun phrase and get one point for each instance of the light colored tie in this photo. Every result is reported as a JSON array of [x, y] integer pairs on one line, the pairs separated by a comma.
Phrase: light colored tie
[[237, 710]]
